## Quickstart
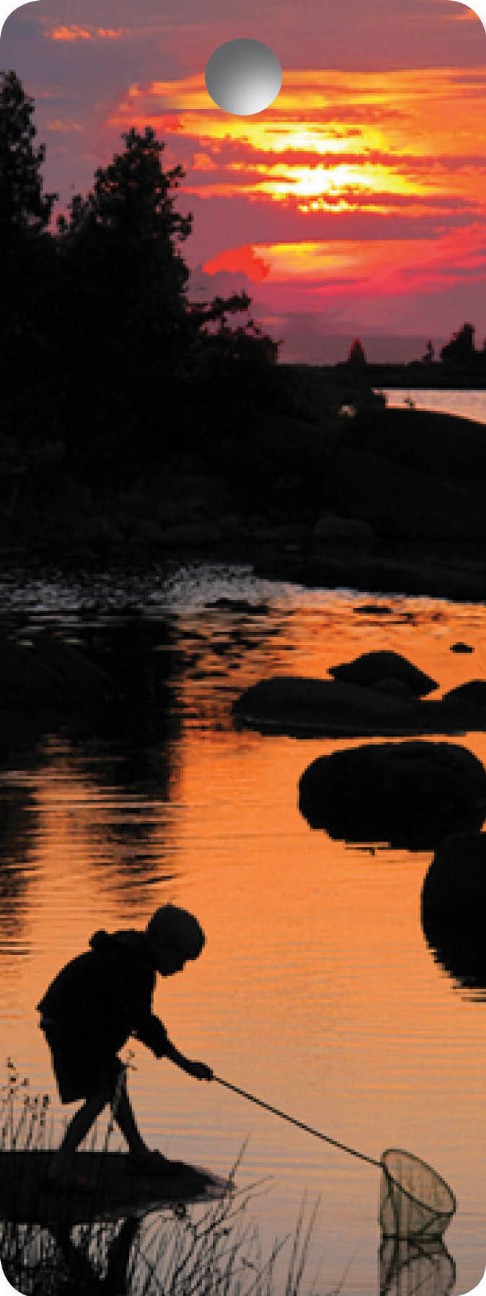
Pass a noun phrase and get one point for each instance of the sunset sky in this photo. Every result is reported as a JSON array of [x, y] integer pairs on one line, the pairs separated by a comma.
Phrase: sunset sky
[[354, 205]]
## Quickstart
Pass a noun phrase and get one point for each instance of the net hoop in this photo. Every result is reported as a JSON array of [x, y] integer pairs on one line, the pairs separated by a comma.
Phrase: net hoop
[[416, 1202]]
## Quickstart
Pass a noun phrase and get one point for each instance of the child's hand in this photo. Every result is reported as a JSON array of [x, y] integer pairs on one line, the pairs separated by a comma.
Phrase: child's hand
[[199, 1070]]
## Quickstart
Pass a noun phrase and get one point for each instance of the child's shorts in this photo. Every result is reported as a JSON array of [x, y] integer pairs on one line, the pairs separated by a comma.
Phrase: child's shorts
[[80, 1066]]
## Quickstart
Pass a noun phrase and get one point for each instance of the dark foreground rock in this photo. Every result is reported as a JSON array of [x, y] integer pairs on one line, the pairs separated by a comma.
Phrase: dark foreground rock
[[379, 693], [385, 669], [454, 908], [408, 795], [410, 474], [306, 708], [467, 702]]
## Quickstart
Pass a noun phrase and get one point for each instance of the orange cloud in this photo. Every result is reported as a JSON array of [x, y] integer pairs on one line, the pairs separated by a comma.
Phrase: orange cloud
[[332, 141], [399, 155], [73, 33]]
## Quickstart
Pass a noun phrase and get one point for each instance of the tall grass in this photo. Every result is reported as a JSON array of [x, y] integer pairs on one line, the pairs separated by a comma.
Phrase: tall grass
[[211, 1249]]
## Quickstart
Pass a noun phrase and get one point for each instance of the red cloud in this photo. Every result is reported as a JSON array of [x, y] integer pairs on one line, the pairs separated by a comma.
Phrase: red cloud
[[239, 259]]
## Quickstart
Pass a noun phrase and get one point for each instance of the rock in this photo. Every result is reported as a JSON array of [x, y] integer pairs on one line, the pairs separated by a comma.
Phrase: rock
[[192, 535], [375, 667], [410, 794], [147, 530], [411, 473], [240, 605], [461, 647], [100, 533], [466, 704], [311, 707], [392, 686], [331, 529], [373, 609], [398, 501], [453, 906], [388, 706]]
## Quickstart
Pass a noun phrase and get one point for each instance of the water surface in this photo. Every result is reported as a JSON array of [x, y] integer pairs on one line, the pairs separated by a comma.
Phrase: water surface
[[465, 404], [316, 991]]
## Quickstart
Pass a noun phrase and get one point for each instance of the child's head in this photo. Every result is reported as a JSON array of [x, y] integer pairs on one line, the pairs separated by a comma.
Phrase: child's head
[[174, 936]]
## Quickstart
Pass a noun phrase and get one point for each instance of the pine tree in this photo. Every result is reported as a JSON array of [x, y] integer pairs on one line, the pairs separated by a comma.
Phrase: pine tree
[[24, 208]]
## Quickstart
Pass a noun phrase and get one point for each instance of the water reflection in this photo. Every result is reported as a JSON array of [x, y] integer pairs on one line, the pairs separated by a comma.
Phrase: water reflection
[[317, 990], [82, 1275], [120, 757], [409, 1268]]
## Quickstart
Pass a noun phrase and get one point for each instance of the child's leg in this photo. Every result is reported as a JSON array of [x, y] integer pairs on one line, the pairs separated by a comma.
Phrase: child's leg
[[125, 1119], [77, 1130], [143, 1157]]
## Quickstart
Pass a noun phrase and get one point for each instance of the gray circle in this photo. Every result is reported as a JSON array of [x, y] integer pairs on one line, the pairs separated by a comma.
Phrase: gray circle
[[243, 77]]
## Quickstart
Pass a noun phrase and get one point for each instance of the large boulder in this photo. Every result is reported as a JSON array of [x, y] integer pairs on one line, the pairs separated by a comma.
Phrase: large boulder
[[306, 707], [331, 529], [466, 704], [411, 473], [375, 668], [453, 906], [409, 794]]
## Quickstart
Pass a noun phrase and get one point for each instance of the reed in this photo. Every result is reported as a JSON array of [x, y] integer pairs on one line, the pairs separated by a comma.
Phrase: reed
[[197, 1250]]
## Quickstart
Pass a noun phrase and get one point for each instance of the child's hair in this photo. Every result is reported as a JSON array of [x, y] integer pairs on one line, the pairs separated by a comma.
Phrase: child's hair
[[174, 927]]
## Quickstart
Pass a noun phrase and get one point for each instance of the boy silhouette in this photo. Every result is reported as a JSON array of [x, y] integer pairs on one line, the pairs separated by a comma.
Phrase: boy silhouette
[[95, 1003]]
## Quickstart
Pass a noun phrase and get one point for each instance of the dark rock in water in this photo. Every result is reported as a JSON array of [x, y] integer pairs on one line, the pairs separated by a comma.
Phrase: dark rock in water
[[373, 609], [330, 529], [375, 667], [467, 701], [454, 907], [460, 647], [305, 707], [410, 794], [240, 605]]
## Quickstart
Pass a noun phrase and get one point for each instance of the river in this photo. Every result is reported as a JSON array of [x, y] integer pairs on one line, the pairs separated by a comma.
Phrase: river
[[316, 991]]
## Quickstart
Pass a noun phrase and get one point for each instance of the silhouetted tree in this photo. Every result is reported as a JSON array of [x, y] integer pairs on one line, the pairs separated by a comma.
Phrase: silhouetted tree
[[24, 207], [106, 352], [26, 255], [122, 245], [460, 349], [356, 357], [429, 354]]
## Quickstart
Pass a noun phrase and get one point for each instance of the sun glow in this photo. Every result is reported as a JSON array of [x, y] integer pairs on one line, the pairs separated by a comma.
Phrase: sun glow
[[333, 141], [351, 186]]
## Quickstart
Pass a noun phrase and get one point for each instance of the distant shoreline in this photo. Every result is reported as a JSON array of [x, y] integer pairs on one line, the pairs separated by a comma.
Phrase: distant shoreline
[[413, 375]]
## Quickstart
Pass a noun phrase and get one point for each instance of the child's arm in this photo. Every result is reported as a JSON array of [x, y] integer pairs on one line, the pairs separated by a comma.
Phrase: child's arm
[[197, 1069]]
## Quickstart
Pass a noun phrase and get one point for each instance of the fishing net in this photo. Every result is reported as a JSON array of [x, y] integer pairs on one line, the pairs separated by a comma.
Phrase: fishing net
[[415, 1268], [415, 1202]]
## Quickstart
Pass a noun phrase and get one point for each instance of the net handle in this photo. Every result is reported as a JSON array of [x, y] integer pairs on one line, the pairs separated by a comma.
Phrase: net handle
[[293, 1121]]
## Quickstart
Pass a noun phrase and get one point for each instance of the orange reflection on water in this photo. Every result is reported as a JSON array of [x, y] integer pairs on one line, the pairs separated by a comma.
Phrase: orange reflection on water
[[316, 990]]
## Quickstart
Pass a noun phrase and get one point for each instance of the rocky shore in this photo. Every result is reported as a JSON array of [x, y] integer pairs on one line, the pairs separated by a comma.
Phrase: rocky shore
[[394, 504]]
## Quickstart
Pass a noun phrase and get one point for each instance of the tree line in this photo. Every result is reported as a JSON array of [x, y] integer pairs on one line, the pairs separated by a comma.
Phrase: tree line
[[459, 354], [102, 350]]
